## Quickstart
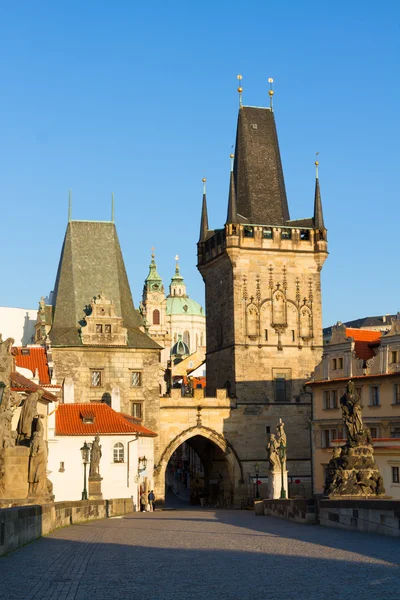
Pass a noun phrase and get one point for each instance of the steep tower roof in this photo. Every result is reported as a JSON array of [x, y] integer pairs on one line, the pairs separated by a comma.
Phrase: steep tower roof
[[91, 263], [232, 216], [204, 216], [318, 215], [258, 176]]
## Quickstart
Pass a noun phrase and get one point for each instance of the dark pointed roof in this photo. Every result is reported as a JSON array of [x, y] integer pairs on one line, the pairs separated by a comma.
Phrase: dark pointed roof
[[232, 216], [258, 175], [91, 263], [204, 220], [318, 215]]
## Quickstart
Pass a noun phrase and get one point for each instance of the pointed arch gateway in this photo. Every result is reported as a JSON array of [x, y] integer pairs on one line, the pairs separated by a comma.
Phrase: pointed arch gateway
[[226, 462]]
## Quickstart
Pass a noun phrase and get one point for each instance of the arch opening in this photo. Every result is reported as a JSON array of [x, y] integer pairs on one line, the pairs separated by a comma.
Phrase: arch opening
[[198, 473]]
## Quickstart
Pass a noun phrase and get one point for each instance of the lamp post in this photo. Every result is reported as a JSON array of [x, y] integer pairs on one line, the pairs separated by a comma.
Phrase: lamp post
[[257, 468], [85, 451], [2, 388], [282, 456]]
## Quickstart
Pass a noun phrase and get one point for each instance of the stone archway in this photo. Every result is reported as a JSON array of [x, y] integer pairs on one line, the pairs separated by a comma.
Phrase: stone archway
[[231, 467]]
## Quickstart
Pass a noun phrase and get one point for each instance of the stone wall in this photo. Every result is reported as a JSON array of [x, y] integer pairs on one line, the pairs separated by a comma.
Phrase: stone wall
[[21, 525], [368, 516]]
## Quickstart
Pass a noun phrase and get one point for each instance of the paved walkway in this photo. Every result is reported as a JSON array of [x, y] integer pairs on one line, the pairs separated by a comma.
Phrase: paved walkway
[[195, 554]]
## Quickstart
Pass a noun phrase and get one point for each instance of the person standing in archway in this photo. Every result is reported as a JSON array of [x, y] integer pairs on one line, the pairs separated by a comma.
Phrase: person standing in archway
[[152, 501]]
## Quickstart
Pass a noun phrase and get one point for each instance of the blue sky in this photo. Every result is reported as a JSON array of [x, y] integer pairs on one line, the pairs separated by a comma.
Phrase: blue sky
[[140, 99]]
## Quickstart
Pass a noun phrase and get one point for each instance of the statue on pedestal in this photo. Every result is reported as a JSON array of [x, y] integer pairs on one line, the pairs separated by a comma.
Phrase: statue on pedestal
[[352, 470], [28, 413], [272, 453], [95, 456], [37, 476]]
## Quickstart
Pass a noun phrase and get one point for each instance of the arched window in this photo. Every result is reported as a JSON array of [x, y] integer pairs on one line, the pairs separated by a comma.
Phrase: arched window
[[118, 453], [156, 317], [186, 338]]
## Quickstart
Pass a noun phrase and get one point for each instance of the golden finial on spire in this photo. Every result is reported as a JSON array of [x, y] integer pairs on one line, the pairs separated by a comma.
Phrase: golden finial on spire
[[240, 89], [232, 156], [204, 180], [271, 92], [152, 252], [316, 165]]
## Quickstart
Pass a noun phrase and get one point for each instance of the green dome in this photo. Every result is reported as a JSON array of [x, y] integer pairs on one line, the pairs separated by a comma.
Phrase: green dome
[[182, 305]]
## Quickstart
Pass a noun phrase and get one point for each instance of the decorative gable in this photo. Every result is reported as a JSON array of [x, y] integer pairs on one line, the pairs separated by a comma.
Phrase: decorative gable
[[101, 326]]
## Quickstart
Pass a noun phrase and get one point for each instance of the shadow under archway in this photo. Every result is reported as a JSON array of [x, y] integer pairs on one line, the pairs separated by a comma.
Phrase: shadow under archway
[[199, 466]]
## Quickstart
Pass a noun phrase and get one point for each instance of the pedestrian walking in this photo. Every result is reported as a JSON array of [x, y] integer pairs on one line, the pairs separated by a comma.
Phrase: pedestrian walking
[[152, 500], [143, 502]]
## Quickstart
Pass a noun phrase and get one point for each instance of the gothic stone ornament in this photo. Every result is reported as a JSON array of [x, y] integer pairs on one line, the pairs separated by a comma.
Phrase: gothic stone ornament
[[352, 470], [101, 325]]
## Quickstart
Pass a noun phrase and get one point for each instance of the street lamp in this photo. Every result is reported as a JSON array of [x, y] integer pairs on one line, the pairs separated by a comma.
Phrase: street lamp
[[2, 388], [143, 462], [282, 456], [257, 468], [85, 451]]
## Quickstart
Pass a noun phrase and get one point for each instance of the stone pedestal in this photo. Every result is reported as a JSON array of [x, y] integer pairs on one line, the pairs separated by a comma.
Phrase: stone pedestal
[[95, 487], [14, 483], [352, 472], [275, 484]]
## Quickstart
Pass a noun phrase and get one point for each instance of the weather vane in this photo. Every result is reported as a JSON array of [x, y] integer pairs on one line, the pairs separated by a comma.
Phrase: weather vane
[[240, 89], [271, 92]]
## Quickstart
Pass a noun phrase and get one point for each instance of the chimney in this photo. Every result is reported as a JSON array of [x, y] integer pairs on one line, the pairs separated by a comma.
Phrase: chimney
[[68, 391], [116, 399]]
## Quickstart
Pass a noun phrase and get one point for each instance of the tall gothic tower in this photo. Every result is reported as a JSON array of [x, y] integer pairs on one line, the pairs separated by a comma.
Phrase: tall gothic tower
[[262, 276]]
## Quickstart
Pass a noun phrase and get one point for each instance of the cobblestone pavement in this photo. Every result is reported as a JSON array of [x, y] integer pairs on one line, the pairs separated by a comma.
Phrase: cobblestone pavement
[[221, 555]]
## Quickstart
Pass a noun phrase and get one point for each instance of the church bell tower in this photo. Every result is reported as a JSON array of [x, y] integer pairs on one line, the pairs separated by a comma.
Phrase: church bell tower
[[262, 275]]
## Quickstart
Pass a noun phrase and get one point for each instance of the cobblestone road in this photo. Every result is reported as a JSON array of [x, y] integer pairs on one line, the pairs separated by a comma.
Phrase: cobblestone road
[[223, 555]]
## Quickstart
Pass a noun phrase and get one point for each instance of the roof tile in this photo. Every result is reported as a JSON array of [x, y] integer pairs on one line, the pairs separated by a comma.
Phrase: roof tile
[[106, 421]]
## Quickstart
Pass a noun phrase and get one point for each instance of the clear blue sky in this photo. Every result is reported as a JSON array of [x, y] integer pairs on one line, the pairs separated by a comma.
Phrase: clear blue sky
[[140, 98]]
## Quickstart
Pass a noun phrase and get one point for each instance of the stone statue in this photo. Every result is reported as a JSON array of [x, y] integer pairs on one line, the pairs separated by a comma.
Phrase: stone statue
[[352, 470], [28, 413], [7, 437], [351, 413], [37, 476], [281, 438], [272, 453], [95, 456], [6, 360]]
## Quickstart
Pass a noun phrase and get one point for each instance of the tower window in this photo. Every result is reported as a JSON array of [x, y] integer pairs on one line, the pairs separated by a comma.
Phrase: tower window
[[99, 328], [304, 234], [136, 410], [267, 233], [136, 379], [266, 335], [395, 474], [156, 317], [286, 234], [248, 231], [96, 378], [107, 329], [280, 388], [293, 336]]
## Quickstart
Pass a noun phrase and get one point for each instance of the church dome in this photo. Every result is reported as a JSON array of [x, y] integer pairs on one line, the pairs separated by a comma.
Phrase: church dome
[[180, 348], [178, 305]]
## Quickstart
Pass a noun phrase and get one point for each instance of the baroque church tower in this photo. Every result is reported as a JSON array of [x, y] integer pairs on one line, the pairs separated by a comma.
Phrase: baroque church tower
[[262, 276]]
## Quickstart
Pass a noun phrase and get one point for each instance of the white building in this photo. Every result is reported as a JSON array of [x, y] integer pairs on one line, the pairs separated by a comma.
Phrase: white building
[[124, 445], [18, 323]]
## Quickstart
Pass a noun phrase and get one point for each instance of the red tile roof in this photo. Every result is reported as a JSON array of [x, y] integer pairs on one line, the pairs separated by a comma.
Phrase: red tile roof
[[36, 359], [19, 383], [106, 421], [363, 341]]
